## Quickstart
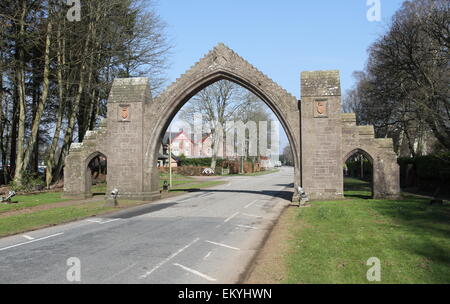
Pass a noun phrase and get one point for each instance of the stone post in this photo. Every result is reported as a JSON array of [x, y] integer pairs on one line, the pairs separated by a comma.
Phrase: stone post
[[322, 170]]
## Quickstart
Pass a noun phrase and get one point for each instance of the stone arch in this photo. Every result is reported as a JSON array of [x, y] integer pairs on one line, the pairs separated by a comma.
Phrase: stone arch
[[77, 179], [319, 134], [88, 174], [368, 157], [386, 178], [358, 150], [220, 64]]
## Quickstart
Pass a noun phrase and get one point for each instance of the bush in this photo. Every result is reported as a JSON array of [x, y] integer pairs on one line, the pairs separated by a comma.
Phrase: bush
[[198, 162], [426, 172], [29, 182]]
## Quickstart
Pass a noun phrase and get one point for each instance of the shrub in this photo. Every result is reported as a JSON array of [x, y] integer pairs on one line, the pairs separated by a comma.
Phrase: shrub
[[29, 182], [198, 162], [426, 172]]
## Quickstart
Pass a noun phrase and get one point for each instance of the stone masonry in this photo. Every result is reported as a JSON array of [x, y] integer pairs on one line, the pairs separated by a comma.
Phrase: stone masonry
[[321, 137]]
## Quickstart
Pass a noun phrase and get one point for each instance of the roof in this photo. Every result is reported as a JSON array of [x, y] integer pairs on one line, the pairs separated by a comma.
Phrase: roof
[[174, 136]]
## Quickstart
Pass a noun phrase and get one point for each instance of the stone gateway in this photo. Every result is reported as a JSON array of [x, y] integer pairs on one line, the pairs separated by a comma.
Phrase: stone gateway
[[321, 137]]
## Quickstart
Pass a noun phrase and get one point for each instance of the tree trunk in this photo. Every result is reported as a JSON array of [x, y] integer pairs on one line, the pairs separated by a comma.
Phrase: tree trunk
[[40, 107], [50, 159], [20, 78]]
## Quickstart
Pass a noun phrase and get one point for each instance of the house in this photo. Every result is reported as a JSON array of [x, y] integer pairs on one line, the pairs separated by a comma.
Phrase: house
[[205, 148], [182, 143]]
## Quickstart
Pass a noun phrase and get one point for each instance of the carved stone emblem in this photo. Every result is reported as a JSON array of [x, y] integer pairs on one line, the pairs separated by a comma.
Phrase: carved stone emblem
[[321, 108], [124, 113]]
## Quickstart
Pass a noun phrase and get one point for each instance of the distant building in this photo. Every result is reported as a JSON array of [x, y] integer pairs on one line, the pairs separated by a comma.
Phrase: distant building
[[184, 144]]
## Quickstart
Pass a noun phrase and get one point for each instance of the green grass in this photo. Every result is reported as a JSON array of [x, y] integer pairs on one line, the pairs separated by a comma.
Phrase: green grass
[[36, 219], [32, 200], [43, 218], [332, 241], [24, 222]]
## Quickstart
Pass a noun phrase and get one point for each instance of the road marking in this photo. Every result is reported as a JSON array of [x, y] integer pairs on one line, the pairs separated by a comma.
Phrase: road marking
[[28, 237], [169, 258], [101, 222], [207, 255], [247, 227], [32, 241], [196, 272], [223, 245], [229, 218], [122, 271], [252, 215], [249, 205]]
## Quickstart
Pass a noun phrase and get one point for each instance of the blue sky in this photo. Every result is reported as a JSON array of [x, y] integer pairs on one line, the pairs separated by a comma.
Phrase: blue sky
[[280, 38]]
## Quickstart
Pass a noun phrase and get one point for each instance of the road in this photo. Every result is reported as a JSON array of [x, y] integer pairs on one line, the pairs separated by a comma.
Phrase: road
[[201, 237]]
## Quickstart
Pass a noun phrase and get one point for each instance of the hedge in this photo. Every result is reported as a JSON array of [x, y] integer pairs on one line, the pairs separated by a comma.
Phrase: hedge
[[426, 172], [198, 162]]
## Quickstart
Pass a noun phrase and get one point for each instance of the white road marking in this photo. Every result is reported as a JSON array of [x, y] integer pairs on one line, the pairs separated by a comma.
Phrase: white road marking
[[122, 271], [207, 255], [112, 220], [94, 221], [28, 237], [101, 222], [169, 258], [229, 218], [196, 272], [249, 205], [247, 227], [223, 245], [252, 215], [32, 241]]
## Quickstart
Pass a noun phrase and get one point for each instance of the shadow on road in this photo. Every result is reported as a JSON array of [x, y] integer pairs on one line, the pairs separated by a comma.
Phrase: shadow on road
[[148, 208], [284, 194]]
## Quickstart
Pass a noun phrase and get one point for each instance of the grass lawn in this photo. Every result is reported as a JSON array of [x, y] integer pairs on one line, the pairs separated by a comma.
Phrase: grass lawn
[[330, 242], [29, 201], [30, 212]]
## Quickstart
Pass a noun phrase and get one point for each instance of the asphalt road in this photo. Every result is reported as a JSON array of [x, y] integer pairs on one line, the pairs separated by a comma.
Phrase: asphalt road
[[201, 237]]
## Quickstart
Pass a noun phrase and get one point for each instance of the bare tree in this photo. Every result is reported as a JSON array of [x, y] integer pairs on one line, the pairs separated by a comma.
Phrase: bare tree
[[405, 90], [56, 75], [217, 103]]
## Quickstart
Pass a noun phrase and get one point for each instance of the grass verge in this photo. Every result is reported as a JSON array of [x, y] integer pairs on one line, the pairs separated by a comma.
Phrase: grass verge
[[31, 219], [330, 242]]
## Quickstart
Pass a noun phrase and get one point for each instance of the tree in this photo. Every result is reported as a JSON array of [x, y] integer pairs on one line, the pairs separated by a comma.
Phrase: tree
[[287, 158], [55, 75], [404, 90], [217, 103]]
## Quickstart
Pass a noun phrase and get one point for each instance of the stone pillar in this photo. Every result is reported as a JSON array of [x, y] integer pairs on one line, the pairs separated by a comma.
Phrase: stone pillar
[[386, 171], [75, 174], [126, 106], [322, 171]]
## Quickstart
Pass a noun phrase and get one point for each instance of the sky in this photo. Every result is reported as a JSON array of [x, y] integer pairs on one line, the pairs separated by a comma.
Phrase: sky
[[280, 38]]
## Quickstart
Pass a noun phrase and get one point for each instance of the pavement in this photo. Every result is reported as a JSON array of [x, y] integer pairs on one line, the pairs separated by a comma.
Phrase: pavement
[[209, 236]]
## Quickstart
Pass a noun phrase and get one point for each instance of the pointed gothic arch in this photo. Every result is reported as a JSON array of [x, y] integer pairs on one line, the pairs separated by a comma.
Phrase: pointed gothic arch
[[318, 133]]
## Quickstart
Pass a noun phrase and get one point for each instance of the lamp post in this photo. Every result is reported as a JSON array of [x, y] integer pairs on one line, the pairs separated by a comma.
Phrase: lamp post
[[170, 157]]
